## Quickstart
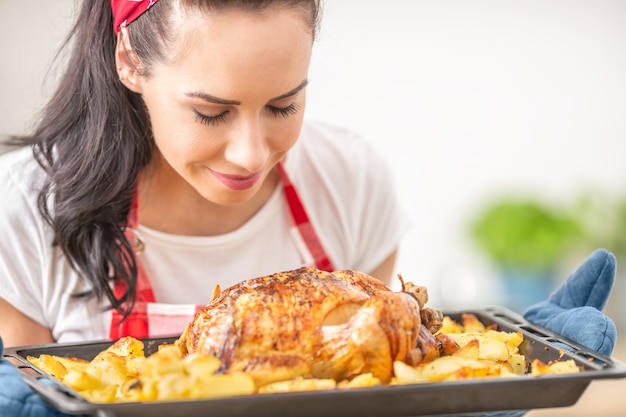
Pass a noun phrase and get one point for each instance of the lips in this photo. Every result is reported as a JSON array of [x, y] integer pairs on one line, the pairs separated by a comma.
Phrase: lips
[[237, 182]]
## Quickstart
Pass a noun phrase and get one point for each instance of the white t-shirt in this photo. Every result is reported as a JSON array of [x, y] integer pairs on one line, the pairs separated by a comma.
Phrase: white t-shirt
[[344, 185]]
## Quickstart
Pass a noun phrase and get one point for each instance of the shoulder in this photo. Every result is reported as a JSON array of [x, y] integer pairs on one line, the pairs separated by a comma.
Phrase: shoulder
[[20, 179], [347, 188], [337, 154], [322, 139], [18, 164], [35, 277], [24, 246]]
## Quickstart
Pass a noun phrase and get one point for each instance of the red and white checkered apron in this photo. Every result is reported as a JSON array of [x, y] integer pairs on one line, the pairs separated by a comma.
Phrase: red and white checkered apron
[[151, 319]]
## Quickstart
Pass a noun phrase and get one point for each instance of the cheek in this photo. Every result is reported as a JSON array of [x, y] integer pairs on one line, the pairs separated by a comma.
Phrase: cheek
[[284, 137], [285, 132], [176, 134], [177, 138]]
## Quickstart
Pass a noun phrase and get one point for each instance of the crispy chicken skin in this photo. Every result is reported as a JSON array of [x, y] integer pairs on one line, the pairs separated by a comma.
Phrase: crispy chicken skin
[[312, 323]]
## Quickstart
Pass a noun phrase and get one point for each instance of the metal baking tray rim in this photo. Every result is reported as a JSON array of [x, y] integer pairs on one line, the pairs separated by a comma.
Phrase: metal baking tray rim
[[437, 398]]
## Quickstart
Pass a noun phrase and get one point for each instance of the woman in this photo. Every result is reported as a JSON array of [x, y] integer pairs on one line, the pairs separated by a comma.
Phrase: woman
[[186, 126], [174, 157]]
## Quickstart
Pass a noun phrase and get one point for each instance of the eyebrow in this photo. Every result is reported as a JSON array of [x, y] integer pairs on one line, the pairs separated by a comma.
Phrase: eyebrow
[[217, 100]]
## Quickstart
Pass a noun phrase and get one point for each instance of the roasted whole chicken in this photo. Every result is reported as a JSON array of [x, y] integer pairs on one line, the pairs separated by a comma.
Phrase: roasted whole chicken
[[311, 323]]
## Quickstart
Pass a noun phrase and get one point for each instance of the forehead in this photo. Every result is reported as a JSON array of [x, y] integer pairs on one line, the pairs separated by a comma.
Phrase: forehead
[[264, 30], [232, 50]]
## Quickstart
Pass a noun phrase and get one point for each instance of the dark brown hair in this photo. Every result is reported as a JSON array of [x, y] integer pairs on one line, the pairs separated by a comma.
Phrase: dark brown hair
[[94, 138]]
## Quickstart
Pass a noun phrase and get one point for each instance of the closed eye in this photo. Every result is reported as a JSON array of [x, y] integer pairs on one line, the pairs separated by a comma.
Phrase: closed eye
[[211, 120], [284, 112]]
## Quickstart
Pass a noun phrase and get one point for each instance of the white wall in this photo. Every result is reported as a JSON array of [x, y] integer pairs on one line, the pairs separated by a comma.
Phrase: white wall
[[465, 98], [471, 98], [31, 33]]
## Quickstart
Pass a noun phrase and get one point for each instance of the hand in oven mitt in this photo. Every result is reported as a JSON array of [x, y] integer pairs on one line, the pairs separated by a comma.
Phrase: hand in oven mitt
[[574, 310], [16, 398]]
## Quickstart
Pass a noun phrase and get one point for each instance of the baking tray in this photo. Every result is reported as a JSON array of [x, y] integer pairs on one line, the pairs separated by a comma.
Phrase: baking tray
[[428, 399]]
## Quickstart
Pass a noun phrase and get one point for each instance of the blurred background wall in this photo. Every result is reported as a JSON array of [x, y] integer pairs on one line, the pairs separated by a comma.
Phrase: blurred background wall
[[473, 103], [483, 101]]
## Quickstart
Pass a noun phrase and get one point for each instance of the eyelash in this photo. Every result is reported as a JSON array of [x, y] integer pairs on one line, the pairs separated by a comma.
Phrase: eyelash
[[210, 120], [283, 112]]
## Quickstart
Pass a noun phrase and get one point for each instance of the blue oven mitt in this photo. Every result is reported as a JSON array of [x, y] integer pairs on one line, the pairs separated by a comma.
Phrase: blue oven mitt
[[16, 398], [574, 310]]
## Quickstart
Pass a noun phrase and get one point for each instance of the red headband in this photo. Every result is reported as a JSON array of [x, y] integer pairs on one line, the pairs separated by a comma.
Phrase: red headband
[[125, 11]]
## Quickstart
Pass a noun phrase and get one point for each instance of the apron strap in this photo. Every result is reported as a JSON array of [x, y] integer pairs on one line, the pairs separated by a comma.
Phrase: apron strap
[[136, 324], [309, 245]]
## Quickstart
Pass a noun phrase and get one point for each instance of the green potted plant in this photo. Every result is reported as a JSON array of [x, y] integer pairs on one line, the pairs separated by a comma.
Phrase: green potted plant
[[525, 239]]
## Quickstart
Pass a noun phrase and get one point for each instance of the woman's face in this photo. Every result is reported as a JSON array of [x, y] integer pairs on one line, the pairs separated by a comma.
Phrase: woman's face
[[229, 103]]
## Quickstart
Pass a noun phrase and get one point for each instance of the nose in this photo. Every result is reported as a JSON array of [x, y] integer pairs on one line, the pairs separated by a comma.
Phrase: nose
[[247, 146]]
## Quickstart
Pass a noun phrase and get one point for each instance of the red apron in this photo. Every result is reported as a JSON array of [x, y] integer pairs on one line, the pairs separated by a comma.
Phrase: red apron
[[151, 319]]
